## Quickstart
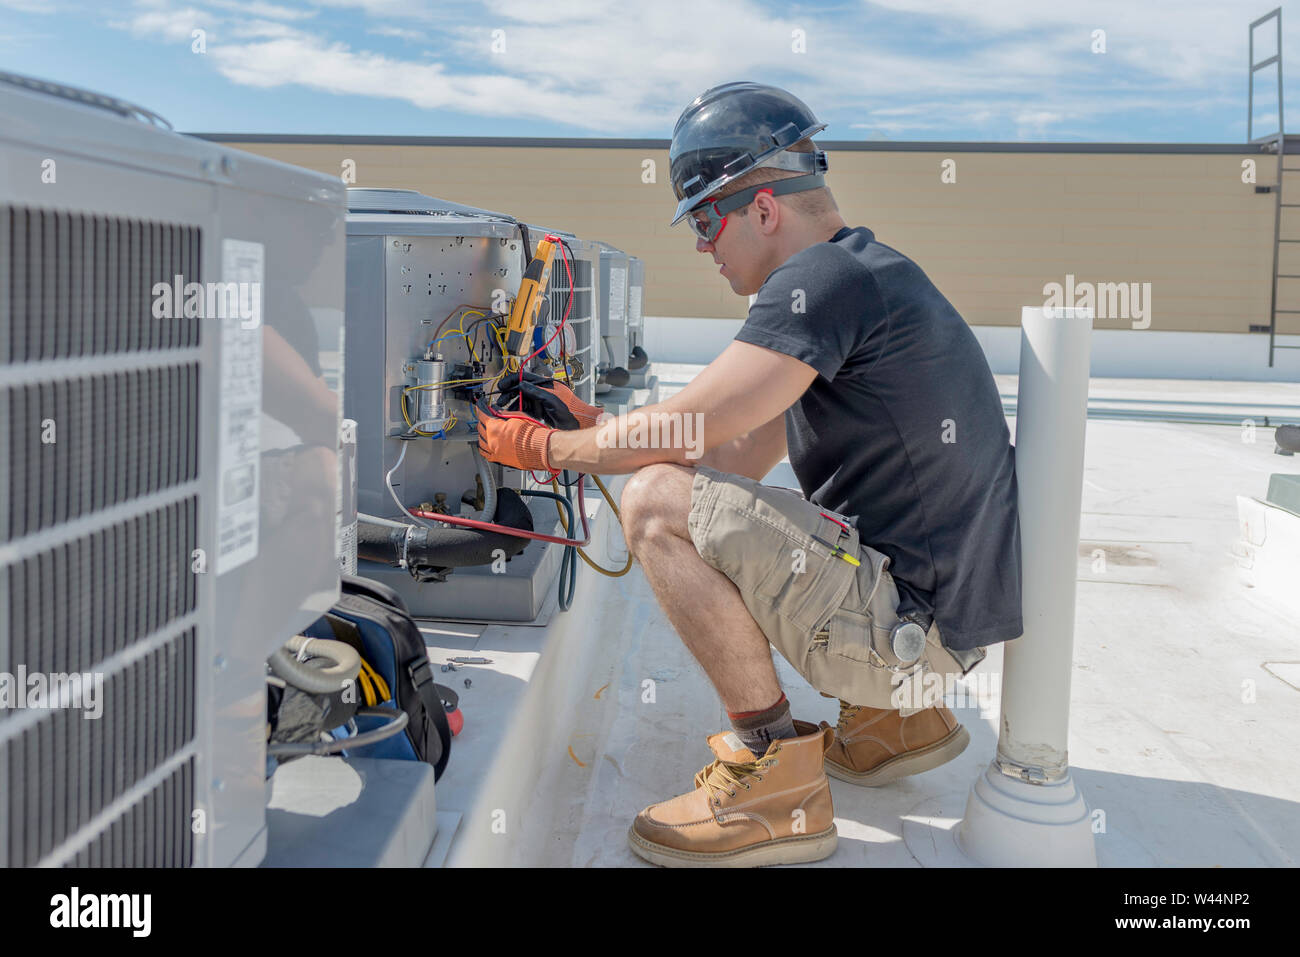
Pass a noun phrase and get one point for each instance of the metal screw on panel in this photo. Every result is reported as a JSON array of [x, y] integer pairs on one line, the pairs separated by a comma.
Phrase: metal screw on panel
[[228, 165], [219, 662], [466, 682]]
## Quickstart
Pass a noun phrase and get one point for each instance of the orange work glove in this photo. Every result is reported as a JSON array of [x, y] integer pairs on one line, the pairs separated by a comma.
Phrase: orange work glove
[[542, 398], [513, 439], [587, 415]]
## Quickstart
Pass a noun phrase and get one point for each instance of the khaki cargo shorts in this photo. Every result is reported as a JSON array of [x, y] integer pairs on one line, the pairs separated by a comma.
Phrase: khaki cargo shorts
[[830, 619]]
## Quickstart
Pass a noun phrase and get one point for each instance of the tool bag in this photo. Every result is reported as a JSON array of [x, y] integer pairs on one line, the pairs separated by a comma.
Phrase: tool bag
[[372, 618]]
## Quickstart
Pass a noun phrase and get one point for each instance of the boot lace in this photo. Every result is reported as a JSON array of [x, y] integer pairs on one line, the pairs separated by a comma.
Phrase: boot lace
[[847, 713], [726, 776]]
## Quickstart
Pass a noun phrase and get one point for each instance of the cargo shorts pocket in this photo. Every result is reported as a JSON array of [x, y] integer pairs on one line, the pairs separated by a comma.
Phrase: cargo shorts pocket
[[851, 656], [762, 539], [859, 628], [809, 582]]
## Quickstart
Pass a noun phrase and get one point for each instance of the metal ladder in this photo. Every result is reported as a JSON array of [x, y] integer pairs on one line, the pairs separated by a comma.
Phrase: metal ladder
[[1272, 143]]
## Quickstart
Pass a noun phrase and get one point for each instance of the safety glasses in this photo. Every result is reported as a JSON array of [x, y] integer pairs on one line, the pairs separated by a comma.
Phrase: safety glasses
[[708, 221]]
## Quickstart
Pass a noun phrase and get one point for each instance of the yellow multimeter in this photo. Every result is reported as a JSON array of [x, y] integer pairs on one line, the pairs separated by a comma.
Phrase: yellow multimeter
[[532, 293]]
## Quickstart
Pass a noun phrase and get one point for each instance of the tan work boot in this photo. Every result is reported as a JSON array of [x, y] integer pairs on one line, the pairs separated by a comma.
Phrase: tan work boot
[[874, 746], [746, 811]]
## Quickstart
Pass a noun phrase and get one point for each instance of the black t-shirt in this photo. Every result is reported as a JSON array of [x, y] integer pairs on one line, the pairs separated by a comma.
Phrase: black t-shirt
[[902, 430]]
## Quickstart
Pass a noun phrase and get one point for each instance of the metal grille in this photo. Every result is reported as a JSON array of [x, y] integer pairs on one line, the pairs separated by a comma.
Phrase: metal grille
[[65, 770], [107, 599], [580, 317], [80, 285], [154, 832], [76, 446], [77, 604]]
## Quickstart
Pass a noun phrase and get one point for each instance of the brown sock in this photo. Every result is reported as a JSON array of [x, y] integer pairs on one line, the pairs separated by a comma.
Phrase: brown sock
[[758, 729]]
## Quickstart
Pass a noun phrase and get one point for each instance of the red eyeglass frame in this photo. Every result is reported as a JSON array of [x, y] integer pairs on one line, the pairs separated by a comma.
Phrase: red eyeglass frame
[[718, 216]]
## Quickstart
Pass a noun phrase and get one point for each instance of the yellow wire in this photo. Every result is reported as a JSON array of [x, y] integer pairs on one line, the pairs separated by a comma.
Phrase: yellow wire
[[447, 426], [444, 382], [381, 686], [510, 365], [511, 362], [409, 424], [367, 692], [581, 554], [461, 329]]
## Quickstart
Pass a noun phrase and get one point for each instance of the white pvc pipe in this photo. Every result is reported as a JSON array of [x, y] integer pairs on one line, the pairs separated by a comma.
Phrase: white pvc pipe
[[1025, 810], [1051, 417]]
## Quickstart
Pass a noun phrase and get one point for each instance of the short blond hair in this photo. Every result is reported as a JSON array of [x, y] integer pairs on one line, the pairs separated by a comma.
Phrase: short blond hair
[[813, 202]]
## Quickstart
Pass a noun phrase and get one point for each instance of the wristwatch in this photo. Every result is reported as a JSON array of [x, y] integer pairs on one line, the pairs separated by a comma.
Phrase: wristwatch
[[907, 639]]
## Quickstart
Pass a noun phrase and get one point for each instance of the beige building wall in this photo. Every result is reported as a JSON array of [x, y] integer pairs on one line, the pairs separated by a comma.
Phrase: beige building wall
[[1012, 221]]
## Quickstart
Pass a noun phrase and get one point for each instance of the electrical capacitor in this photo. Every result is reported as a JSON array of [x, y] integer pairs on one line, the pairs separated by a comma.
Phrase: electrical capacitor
[[432, 405]]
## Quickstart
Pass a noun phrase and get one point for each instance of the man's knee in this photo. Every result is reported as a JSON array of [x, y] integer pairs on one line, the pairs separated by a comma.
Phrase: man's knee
[[657, 498]]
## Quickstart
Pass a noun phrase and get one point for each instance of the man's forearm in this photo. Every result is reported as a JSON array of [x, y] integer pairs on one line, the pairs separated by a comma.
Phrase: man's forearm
[[628, 442], [728, 457], [753, 454]]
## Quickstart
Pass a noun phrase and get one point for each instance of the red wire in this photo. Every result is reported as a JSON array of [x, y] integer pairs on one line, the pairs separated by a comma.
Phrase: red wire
[[564, 255], [503, 413], [517, 532]]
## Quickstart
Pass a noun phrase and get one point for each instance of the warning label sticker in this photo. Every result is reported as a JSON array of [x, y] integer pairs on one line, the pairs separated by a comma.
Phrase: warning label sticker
[[617, 294], [239, 459], [634, 306]]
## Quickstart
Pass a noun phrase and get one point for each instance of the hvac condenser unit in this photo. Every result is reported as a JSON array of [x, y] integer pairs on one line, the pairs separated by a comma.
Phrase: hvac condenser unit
[[638, 362], [613, 317], [429, 288], [169, 314]]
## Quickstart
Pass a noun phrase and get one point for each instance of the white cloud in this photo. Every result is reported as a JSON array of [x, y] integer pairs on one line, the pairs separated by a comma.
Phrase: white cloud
[[335, 68], [402, 33], [172, 25], [1197, 40], [604, 71], [257, 8], [399, 9], [29, 6], [1011, 67], [559, 11], [1035, 123], [262, 29]]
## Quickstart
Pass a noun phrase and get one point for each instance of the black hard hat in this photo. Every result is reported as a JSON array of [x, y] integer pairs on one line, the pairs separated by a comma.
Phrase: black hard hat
[[734, 128]]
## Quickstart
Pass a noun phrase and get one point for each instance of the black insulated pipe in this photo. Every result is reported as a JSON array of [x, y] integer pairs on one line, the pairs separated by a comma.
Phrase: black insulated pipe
[[430, 550]]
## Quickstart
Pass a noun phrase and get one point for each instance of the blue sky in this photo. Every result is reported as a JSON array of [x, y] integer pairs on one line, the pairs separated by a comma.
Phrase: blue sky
[[1002, 70]]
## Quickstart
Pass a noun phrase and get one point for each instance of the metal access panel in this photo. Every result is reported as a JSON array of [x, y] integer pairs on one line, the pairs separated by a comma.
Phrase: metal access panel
[[421, 271], [614, 305], [168, 476], [635, 300], [412, 262]]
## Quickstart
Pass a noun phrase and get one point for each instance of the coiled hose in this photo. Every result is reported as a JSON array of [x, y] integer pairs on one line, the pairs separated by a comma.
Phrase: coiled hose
[[289, 662], [297, 664]]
